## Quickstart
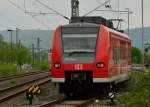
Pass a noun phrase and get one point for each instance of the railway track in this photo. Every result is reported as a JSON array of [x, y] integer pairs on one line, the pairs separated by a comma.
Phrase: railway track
[[9, 91], [63, 102], [4, 78]]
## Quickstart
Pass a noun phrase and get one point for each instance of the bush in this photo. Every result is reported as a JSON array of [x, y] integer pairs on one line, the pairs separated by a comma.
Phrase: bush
[[136, 55], [137, 94], [43, 65], [8, 69]]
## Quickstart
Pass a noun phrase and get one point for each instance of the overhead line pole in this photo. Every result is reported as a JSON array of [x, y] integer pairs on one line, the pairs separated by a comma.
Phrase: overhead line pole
[[33, 54], [9, 30], [25, 5], [17, 35], [11, 43], [38, 49], [75, 8], [128, 21], [142, 33]]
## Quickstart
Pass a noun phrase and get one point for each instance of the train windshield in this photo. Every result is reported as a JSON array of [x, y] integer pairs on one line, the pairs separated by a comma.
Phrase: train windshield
[[79, 48]]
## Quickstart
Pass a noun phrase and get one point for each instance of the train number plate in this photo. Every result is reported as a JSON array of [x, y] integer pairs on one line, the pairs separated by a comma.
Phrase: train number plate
[[78, 66]]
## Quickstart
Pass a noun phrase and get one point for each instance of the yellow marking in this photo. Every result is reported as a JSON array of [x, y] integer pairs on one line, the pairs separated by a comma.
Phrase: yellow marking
[[31, 88], [35, 89]]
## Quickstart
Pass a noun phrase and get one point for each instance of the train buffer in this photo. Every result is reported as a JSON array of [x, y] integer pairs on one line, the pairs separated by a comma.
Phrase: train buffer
[[31, 91]]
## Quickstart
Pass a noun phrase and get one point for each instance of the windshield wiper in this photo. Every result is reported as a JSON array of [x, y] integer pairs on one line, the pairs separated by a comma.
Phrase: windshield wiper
[[79, 52]]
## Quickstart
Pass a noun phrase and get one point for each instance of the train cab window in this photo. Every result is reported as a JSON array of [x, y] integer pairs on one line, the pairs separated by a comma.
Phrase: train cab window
[[79, 42], [79, 47]]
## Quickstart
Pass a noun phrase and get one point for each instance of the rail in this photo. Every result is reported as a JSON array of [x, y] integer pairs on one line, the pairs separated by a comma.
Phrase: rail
[[12, 91]]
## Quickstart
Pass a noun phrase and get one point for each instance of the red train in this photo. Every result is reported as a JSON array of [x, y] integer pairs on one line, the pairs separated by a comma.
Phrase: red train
[[88, 54]]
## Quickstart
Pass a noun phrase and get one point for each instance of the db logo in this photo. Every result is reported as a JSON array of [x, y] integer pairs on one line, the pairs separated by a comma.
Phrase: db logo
[[78, 66]]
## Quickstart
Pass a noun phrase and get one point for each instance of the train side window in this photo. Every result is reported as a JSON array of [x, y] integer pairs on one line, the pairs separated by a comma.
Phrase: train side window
[[115, 55], [126, 52], [115, 52]]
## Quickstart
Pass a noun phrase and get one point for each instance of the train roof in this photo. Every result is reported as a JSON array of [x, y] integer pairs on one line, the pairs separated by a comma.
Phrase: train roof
[[92, 19], [80, 24], [80, 28]]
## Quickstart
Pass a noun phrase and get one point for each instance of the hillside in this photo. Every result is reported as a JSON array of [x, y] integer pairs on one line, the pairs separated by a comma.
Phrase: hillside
[[136, 37], [28, 37]]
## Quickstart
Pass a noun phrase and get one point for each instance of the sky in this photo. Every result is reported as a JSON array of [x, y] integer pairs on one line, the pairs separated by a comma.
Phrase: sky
[[12, 17]]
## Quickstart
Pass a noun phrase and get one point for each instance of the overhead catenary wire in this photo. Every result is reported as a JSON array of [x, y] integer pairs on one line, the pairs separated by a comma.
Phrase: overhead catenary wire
[[14, 4], [110, 9], [58, 13], [97, 7], [35, 13], [36, 5], [20, 8], [39, 12], [98, 2]]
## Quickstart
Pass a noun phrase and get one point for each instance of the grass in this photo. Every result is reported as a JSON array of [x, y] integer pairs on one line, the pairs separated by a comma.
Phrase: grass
[[46, 90], [137, 94], [8, 69], [12, 81], [11, 69]]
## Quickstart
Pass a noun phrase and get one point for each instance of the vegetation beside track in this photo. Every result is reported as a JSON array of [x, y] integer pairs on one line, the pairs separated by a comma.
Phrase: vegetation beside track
[[137, 93], [13, 57], [48, 89], [43, 65], [8, 69]]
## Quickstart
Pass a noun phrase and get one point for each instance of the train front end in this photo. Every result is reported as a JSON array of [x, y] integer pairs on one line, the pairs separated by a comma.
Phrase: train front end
[[74, 60]]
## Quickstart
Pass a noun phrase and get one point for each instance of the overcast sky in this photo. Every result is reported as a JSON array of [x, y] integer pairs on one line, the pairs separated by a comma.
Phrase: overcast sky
[[11, 17]]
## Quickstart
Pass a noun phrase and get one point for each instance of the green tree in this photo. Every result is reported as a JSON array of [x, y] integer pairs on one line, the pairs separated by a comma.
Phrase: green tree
[[22, 55], [136, 55], [1, 40], [4, 51]]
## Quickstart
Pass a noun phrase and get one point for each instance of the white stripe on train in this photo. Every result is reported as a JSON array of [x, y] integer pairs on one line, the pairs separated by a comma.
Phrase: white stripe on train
[[115, 79]]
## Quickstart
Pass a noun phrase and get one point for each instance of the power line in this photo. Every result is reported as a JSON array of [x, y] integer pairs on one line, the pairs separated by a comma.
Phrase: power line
[[97, 7]]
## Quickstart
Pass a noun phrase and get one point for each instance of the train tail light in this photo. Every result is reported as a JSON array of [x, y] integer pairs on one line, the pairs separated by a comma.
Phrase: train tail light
[[57, 65], [100, 65]]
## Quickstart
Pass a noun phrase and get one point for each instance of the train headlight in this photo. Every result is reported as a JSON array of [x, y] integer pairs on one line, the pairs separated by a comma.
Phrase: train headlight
[[100, 65], [57, 65]]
